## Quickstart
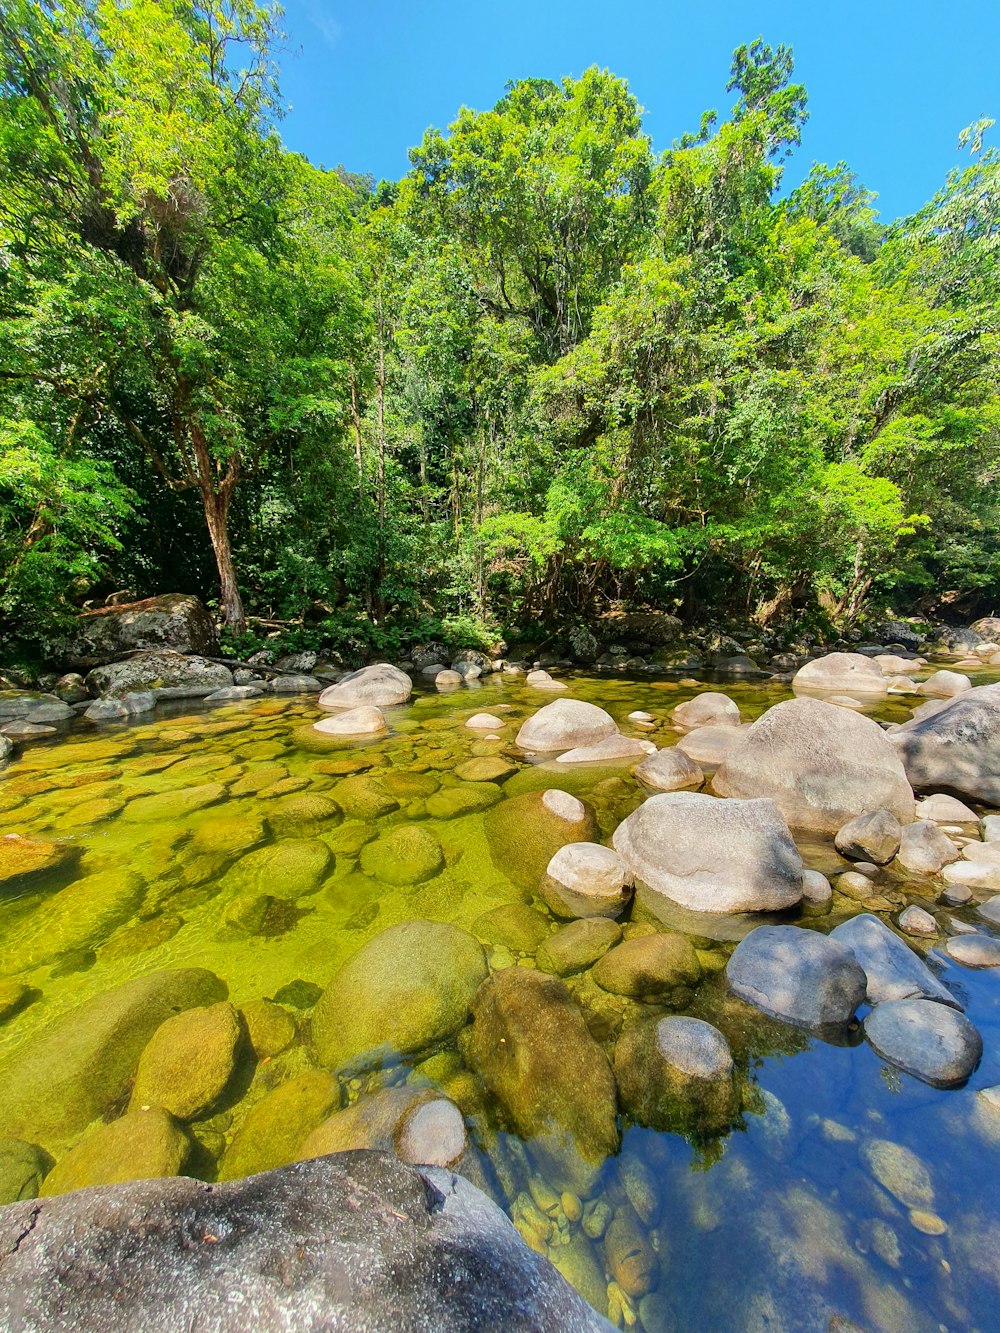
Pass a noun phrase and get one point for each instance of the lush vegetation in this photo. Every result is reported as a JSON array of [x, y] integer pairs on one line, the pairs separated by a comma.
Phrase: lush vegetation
[[546, 372]]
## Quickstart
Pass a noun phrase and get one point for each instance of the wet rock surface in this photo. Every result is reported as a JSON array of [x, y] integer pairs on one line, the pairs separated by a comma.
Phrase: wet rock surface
[[358, 1241], [798, 975]]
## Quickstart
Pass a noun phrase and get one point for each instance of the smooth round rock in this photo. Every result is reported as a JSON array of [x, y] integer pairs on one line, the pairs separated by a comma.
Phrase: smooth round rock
[[710, 709], [974, 950], [584, 879], [931, 1041], [670, 769], [366, 720], [915, 921], [380, 684], [873, 836], [565, 724], [797, 975], [432, 1134]]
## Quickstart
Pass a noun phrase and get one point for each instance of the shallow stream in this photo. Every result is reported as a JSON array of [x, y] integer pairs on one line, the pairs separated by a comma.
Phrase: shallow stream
[[795, 1218]]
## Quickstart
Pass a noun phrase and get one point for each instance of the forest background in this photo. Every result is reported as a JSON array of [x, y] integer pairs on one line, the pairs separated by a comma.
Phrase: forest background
[[547, 373]]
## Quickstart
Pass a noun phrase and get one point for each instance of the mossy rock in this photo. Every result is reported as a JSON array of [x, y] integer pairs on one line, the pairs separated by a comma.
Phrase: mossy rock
[[174, 804], [465, 799], [308, 810], [676, 1074], [259, 914], [532, 1049], [649, 967], [82, 1063], [188, 1062], [270, 1029], [286, 787], [259, 777], [514, 926], [97, 811], [14, 996], [140, 1146], [363, 797], [26, 863], [404, 786], [288, 869], [23, 1167], [274, 1130], [524, 834], [350, 838], [229, 835], [407, 990], [407, 855], [345, 766], [81, 916], [298, 993], [486, 768], [578, 945], [142, 936]]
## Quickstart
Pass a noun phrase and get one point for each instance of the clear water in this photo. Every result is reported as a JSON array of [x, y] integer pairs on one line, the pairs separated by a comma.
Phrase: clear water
[[779, 1224]]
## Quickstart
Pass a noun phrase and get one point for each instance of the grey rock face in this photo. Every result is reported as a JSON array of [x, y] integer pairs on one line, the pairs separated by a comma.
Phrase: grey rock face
[[711, 855], [934, 1043], [804, 978], [158, 668], [354, 1243], [822, 765], [870, 837], [174, 620], [956, 747], [380, 684], [893, 970]]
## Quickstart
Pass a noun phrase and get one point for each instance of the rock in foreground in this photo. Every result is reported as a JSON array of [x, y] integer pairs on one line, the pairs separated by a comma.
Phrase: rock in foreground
[[797, 975], [356, 1242], [934, 1043], [955, 748]]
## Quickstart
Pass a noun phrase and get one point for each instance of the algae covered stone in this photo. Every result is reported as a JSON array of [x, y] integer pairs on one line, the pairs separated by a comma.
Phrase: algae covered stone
[[82, 1063], [139, 1146], [270, 1028], [173, 804], [310, 810], [512, 925], [407, 855], [288, 869], [363, 797], [578, 945], [649, 966], [23, 1167], [524, 833], [81, 916], [407, 990], [26, 862], [188, 1061], [532, 1049], [229, 835], [676, 1074], [14, 996], [274, 1130], [485, 768], [464, 799]]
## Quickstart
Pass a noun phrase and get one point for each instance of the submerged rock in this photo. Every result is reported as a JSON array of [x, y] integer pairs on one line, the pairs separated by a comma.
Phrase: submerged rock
[[363, 721], [533, 1051], [380, 685], [25, 863], [564, 725], [81, 916], [931, 1041], [525, 832], [276, 1127], [676, 1074], [577, 946], [289, 869], [82, 1063], [140, 1146], [797, 975], [23, 1167], [893, 970], [649, 967], [406, 855], [409, 989], [821, 765], [188, 1062], [711, 855], [372, 1243]]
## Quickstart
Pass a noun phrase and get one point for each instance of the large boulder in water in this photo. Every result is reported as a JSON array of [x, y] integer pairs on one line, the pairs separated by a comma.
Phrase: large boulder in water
[[380, 685], [174, 620], [532, 1049], [841, 673], [407, 990], [525, 832], [82, 1063], [356, 1241], [955, 748], [676, 1074], [797, 975], [936, 1044], [821, 765], [138, 1146], [710, 855], [564, 725], [159, 669], [892, 969], [710, 709]]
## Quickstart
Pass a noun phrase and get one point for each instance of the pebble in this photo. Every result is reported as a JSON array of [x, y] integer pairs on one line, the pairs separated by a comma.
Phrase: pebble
[[929, 1223], [915, 921]]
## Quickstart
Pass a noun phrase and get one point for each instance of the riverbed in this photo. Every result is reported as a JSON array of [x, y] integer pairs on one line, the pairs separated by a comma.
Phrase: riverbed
[[234, 839]]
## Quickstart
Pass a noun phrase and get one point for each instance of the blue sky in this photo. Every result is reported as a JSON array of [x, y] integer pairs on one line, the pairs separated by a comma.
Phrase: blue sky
[[890, 83]]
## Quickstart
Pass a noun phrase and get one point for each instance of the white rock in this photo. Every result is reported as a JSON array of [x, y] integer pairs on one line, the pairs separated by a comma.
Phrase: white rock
[[710, 709], [944, 809], [563, 805], [840, 673], [915, 921], [973, 874], [584, 879], [564, 725], [945, 684], [484, 722], [363, 721], [613, 747], [380, 685], [669, 770]]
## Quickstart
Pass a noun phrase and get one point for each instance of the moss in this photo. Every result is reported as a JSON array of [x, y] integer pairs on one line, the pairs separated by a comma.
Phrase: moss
[[188, 1062], [407, 855], [524, 835], [273, 1130], [465, 799], [288, 869], [140, 1146]]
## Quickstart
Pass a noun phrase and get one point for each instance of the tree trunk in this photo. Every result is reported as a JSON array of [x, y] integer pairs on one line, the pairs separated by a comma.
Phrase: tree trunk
[[217, 518]]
